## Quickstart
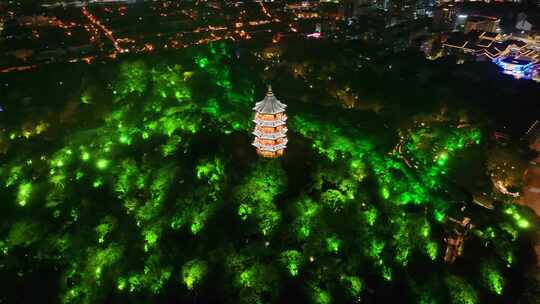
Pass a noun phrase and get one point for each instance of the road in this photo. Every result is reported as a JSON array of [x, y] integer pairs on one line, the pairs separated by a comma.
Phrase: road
[[106, 32]]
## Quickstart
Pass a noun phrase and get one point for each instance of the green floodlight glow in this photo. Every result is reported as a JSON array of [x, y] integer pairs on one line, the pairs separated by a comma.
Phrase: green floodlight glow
[[248, 277], [523, 223], [387, 273], [385, 193], [193, 272], [461, 292], [370, 216], [198, 222], [425, 230], [442, 159], [97, 183], [85, 156], [496, 283], [353, 284], [432, 250], [520, 221], [439, 215], [202, 62], [292, 260], [375, 248], [85, 98], [103, 229], [124, 139], [321, 296], [509, 258], [102, 164], [121, 284], [25, 190], [492, 278], [333, 244]]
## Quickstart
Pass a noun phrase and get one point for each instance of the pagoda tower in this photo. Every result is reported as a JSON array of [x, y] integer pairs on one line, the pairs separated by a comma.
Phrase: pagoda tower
[[270, 126]]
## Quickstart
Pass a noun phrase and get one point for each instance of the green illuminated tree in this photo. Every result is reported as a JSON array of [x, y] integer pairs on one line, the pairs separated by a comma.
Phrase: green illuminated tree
[[157, 186]]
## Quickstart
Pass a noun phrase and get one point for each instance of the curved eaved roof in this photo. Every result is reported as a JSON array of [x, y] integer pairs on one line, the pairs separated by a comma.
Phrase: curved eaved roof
[[270, 104]]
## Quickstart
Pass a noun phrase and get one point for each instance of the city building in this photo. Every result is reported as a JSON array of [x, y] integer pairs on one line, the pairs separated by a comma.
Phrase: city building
[[425, 8], [94, 31], [270, 126], [444, 16], [519, 67], [303, 9], [487, 45], [515, 55], [482, 23], [355, 8]]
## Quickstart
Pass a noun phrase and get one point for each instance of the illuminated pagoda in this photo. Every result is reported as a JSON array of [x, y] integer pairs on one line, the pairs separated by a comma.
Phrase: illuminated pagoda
[[270, 126]]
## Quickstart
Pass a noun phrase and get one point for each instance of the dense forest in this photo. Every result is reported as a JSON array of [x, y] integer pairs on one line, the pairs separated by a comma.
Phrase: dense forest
[[136, 181]]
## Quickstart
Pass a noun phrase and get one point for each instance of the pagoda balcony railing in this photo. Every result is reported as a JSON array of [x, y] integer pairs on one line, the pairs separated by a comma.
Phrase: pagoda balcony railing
[[272, 136], [270, 117], [271, 130], [270, 141], [273, 148], [277, 134], [273, 123]]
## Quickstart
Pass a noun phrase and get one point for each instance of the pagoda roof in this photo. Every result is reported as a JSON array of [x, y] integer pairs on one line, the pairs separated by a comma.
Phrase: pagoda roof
[[267, 123], [270, 104]]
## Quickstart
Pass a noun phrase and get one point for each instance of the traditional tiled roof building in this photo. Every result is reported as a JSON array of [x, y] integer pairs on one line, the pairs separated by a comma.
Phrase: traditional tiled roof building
[[270, 126]]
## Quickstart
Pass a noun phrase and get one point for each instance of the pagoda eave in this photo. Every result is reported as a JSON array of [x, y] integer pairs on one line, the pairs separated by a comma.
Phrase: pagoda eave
[[276, 135], [270, 148], [264, 123]]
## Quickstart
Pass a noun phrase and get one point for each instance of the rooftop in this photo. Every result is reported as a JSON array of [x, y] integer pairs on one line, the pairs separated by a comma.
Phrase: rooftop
[[481, 18], [270, 104], [490, 35], [517, 61]]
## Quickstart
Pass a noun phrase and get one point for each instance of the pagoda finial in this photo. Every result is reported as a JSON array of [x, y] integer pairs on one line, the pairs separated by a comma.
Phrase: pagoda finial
[[270, 92]]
